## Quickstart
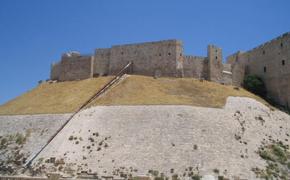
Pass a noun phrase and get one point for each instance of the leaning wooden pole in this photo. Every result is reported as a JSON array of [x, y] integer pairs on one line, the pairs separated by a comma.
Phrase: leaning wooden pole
[[125, 69]]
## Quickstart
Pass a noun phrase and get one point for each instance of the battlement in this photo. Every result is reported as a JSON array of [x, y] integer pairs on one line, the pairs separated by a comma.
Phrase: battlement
[[279, 38]]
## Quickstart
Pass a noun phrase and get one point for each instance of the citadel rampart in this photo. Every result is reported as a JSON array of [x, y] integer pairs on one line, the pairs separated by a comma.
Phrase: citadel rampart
[[161, 58], [271, 62]]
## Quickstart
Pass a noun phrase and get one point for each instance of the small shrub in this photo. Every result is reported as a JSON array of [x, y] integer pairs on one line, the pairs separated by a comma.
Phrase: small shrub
[[279, 152], [20, 139], [288, 165], [196, 177], [71, 138], [236, 88], [3, 142], [155, 173], [266, 155], [255, 84], [216, 171]]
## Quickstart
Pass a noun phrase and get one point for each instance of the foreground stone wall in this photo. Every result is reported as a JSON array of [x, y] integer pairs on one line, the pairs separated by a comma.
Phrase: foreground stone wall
[[117, 138], [24, 135], [270, 61]]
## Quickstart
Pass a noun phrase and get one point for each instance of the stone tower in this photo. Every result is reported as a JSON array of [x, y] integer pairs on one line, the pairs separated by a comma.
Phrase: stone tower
[[215, 65]]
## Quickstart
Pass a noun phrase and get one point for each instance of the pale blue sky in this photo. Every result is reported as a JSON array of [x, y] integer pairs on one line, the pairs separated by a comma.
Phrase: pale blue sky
[[34, 33]]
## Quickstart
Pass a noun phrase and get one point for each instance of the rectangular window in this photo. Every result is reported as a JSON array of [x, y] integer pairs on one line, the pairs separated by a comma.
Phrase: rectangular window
[[265, 69], [283, 62]]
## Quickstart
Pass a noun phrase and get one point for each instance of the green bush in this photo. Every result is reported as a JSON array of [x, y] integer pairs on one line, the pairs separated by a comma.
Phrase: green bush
[[255, 84], [265, 154], [20, 139]]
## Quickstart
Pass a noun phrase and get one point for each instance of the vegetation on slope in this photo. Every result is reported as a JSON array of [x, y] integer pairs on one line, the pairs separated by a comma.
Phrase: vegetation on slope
[[65, 97], [255, 84], [144, 90], [54, 98], [277, 156]]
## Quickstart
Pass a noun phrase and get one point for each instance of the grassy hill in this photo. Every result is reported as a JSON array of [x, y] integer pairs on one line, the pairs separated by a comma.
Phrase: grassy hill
[[144, 90], [134, 90], [60, 97]]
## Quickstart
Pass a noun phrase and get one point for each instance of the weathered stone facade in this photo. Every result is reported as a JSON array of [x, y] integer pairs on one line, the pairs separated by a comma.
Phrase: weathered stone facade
[[271, 62], [72, 66], [161, 58], [193, 66]]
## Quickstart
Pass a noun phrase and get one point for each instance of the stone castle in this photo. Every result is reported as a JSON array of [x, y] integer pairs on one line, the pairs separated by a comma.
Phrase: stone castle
[[270, 61]]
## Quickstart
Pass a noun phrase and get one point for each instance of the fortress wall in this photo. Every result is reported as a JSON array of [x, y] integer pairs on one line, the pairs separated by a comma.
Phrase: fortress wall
[[101, 61], [215, 65], [227, 77], [55, 71], [148, 58], [193, 66], [227, 67], [179, 60], [238, 62], [76, 68], [271, 61]]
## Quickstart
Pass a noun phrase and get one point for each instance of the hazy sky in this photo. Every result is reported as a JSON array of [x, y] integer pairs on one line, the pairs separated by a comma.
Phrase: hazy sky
[[34, 33]]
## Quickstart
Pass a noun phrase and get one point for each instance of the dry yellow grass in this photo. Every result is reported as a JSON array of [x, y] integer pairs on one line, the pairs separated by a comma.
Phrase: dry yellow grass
[[143, 90], [54, 98], [67, 97]]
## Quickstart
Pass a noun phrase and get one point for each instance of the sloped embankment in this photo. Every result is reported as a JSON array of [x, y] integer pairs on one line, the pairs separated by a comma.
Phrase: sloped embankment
[[182, 140], [144, 90], [66, 97], [54, 98]]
